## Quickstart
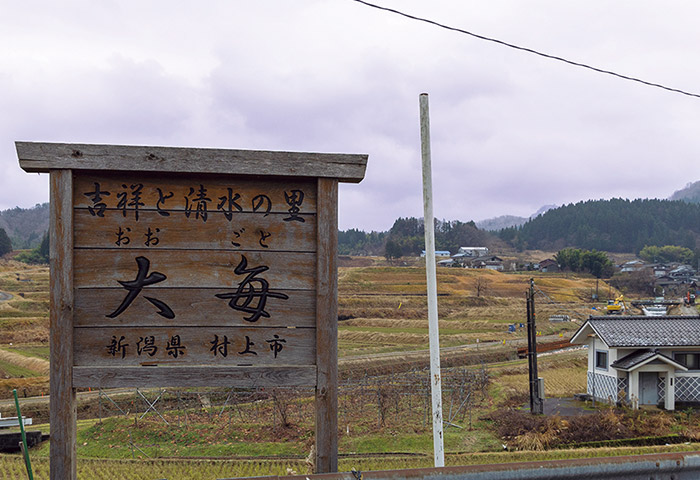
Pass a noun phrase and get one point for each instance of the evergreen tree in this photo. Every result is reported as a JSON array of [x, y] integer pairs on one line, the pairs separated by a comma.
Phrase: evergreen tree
[[44, 248], [392, 250], [5, 243]]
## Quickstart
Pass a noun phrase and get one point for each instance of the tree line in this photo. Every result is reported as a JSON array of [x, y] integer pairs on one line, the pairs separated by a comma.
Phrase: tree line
[[616, 225], [406, 237]]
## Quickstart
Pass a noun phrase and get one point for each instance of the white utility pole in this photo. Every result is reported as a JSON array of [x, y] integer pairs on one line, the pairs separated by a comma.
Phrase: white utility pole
[[431, 277]]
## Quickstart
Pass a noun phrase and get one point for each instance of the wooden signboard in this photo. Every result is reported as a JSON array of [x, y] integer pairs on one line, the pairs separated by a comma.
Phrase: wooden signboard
[[191, 267]]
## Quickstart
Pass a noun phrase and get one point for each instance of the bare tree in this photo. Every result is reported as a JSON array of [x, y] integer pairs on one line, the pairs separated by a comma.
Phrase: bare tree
[[481, 285], [283, 399]]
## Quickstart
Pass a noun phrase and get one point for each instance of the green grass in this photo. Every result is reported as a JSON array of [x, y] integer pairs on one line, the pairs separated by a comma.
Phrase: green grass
[[120, 437], [13, 370], [38, 351], [456, 440], [29, 305]]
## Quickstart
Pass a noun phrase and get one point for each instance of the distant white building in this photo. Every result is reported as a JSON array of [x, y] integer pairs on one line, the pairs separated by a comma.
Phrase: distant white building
[[473, 251], [632, 266], [438, 253]]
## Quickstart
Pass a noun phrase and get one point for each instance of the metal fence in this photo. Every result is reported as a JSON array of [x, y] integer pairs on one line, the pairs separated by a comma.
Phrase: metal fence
[[665, 466]]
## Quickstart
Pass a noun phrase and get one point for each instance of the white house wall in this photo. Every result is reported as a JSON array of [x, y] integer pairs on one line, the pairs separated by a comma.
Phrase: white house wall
[[604, 384]]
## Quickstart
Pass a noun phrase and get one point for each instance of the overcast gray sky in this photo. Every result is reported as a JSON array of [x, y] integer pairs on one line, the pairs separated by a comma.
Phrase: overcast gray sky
[[510, 131]]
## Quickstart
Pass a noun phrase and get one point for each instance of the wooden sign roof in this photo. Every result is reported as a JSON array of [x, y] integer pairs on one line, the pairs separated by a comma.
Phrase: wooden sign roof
[[42, 157]]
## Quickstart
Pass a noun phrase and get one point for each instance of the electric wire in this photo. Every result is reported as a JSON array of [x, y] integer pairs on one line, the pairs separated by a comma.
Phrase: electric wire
[[528, 50]]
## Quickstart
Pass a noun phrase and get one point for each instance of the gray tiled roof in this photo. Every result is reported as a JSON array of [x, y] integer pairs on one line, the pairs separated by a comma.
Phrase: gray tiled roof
[[640, 331], [634, 358], [638, 357]]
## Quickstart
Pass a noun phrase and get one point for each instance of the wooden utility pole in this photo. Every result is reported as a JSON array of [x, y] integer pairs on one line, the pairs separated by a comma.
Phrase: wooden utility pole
[[536, 404]]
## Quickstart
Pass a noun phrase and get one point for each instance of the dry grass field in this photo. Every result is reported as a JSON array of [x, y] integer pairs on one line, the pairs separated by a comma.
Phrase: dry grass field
[[384, 308], [564, 373], [24, 328], [382, 315]]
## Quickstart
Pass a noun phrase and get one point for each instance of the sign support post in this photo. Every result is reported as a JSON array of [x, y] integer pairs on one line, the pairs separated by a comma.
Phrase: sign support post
[[327, 330], [62, 402]]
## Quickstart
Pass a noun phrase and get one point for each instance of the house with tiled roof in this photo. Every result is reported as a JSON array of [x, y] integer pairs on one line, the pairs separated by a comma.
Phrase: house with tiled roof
[[548, 265], [489, 262], [643, 360]]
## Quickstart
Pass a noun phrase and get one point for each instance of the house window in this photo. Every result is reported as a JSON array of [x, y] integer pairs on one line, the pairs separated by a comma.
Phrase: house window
[[689, 360], [601, 359]]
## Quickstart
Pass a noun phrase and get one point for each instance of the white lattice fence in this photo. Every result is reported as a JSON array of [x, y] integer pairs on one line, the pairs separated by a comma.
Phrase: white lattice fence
[[604, 388], [622, 393], [688, 389]]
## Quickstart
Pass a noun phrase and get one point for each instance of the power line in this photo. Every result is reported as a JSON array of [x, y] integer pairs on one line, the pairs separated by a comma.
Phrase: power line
[[529, 50]]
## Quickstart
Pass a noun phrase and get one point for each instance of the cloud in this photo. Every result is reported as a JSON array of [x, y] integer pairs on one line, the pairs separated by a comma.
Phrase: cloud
[[510, 131]]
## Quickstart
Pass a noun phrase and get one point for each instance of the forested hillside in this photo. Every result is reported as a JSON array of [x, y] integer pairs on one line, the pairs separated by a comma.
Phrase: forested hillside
[[616, 225], [25, 226]]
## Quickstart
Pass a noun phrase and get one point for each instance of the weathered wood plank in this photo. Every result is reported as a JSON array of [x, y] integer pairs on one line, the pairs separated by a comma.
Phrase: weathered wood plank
[[327, 328], [62, 403], [171, 376], [247, 231], [40, 157], [175, 345], [198, 268], [191, 307], [201, 196]]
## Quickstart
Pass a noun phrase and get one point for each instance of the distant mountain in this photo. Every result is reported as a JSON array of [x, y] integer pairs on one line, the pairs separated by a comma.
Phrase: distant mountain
[[508, 221], [499, 223], [543, 209], [25, 226], [690, 193]]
